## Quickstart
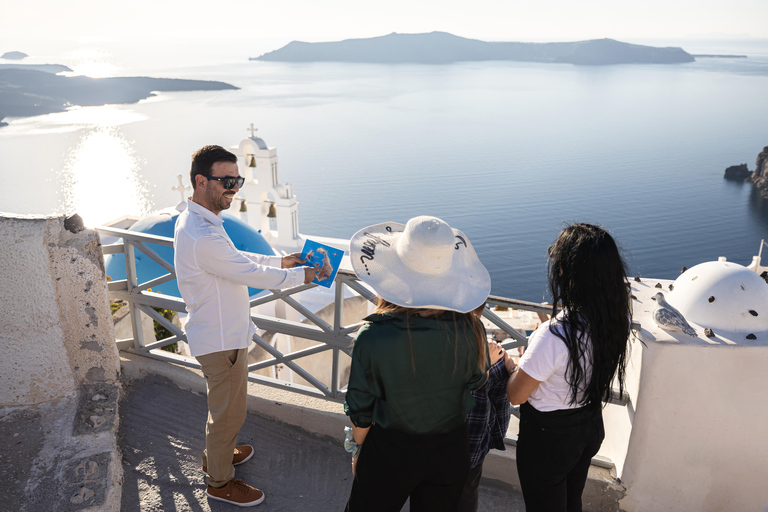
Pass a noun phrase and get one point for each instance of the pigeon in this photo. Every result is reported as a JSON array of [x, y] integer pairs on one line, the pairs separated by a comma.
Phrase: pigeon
[[670, 319]]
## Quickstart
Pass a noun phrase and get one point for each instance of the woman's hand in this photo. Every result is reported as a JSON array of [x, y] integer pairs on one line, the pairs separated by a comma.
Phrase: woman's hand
[[354, 465], [495, 351], [359, 434], [511, 362]]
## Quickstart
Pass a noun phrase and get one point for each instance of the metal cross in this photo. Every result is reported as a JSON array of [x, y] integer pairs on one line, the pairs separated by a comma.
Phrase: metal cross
[[253, 130], [180, 188]]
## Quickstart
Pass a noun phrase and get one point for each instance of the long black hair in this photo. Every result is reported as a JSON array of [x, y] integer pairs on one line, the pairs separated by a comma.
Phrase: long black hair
[[588, 279]]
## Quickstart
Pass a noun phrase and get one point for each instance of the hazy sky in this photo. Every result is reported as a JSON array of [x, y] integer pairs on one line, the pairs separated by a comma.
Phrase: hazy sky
[[111, 38], [313, 20]]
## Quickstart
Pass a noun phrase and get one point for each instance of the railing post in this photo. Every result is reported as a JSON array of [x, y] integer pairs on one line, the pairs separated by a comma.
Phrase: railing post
[[335, 375], [133, 283], [338, 312]]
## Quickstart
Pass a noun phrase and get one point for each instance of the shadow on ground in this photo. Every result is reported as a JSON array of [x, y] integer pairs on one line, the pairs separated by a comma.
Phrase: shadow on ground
[[162, 435]]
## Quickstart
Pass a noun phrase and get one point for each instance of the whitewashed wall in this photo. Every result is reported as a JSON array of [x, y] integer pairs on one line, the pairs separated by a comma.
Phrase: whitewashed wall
[[699, 434], [56, 330], [694, 436]]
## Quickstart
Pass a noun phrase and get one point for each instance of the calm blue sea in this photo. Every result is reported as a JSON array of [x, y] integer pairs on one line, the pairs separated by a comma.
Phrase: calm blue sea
[[507, 152]]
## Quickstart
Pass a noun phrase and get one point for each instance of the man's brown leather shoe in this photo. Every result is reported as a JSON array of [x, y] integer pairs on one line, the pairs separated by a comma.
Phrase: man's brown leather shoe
[[237, 493]]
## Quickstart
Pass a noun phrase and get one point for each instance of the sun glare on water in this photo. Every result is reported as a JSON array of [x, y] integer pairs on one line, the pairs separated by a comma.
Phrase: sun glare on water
[[75, 119], [92, 62], [101, 179]]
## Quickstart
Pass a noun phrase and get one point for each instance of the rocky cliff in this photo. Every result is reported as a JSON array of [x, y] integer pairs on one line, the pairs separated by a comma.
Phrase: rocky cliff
[[760, 177]]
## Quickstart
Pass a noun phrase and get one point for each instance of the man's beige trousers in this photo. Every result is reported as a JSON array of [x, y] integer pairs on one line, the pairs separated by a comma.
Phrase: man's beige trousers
[[226, 377]]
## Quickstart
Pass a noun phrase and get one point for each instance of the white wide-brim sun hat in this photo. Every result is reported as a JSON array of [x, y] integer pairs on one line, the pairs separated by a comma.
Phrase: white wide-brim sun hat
[[423, 264]]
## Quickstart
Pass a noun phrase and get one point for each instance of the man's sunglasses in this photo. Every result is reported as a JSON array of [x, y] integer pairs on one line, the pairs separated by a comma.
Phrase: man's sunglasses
[[229, 183]]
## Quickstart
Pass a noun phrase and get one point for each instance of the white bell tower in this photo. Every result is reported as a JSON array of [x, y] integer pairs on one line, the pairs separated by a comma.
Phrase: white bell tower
[[267, 199]]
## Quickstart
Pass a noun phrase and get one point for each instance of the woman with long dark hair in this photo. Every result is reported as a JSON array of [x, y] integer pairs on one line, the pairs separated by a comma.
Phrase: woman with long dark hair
[[568, 368], [414, 363]]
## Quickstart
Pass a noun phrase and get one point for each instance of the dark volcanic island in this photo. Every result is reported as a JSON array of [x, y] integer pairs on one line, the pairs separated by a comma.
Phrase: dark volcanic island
[[759, 178], [29, 91], [445, 48]]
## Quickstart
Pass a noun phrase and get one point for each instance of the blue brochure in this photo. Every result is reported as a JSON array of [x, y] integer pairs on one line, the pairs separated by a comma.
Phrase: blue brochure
[[324, 257]]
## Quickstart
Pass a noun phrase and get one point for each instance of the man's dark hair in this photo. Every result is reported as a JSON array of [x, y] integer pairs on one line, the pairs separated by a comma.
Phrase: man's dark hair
[[204, 158]]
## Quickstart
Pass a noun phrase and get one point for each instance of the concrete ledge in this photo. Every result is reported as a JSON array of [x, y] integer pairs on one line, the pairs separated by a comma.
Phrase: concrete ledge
[[327, 419]]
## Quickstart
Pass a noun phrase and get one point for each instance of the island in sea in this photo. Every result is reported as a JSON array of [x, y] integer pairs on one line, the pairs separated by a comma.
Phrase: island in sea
[[445, 48], [14, 55], [37, 89], [758, 177]]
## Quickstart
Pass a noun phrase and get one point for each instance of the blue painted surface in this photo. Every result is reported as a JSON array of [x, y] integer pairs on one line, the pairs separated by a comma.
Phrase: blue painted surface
[[244, 237]]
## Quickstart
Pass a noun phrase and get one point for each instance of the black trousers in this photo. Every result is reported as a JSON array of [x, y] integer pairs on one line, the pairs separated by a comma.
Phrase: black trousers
[[554, 450], [470, 494], [394, 465]]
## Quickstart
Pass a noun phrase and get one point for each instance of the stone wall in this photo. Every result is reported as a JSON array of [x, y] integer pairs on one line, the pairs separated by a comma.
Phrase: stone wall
[[57, 333]]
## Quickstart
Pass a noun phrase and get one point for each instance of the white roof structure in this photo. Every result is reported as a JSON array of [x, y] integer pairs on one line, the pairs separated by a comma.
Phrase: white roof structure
[[723, 296]]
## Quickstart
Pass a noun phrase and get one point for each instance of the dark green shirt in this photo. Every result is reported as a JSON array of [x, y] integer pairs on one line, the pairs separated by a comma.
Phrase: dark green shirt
[[419, 387]]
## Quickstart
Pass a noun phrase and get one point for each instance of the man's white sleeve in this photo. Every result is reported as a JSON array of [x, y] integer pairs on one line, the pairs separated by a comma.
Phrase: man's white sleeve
[[215, 255], [264, 259]]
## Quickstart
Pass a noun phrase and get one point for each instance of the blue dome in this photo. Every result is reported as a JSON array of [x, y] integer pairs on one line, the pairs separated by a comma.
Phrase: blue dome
[[243, 236], [259, 142]]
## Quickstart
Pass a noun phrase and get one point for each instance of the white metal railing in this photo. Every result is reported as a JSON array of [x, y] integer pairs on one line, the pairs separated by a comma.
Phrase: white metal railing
[[336, 338]]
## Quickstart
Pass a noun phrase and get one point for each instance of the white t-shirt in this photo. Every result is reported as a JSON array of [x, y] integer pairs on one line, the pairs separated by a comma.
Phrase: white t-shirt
[[546, 360]]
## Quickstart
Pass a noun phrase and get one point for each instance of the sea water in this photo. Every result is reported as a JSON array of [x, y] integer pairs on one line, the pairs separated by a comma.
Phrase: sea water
[[506, 152]]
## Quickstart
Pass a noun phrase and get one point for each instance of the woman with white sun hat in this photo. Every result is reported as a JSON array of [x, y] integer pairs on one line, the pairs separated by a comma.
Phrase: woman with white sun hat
[[414, 363]]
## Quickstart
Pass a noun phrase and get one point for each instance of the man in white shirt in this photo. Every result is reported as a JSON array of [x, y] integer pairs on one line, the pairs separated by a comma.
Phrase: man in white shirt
[[213, 277]]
